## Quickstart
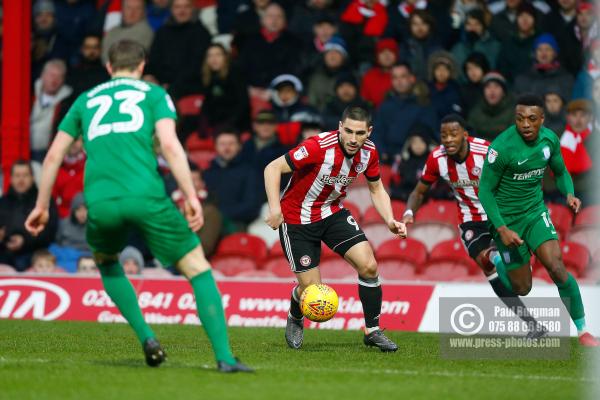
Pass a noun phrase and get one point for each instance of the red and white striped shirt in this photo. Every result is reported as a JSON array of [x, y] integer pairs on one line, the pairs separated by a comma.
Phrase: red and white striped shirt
[[321, 176], [462, 177]]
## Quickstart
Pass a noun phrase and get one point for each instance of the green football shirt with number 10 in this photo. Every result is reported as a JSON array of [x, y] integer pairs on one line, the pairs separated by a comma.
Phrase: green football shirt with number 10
[[116, 120]]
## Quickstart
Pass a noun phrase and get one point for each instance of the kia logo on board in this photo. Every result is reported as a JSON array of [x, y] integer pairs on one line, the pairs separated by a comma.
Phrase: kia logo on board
[[32, 299]]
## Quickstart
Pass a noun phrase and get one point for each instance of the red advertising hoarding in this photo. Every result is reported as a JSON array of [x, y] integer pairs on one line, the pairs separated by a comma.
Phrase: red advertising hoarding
[[170, 301]]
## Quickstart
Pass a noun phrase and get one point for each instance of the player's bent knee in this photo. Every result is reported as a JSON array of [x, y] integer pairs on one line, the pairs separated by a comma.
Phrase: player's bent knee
[[369, 269], [193, 263], [521, 289]]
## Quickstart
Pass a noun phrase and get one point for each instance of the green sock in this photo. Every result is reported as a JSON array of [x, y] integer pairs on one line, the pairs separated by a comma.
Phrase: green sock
[[571, 297], [121, 292], [210, 310], [502, 273]]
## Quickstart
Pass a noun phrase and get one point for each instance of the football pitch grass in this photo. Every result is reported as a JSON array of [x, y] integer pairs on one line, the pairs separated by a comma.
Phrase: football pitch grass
[[77, 360]]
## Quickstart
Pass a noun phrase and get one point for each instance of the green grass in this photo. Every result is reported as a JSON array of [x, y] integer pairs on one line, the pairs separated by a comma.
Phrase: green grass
[[75, 360]]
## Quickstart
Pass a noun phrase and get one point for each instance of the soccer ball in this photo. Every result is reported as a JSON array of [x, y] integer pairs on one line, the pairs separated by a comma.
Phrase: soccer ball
[[319, 302]]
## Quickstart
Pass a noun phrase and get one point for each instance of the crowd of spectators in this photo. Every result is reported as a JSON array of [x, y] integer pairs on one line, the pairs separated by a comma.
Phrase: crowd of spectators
[[266, 74]]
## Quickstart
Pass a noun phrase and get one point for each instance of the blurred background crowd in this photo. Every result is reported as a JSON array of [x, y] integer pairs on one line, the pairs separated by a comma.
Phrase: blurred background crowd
[[252, 78]]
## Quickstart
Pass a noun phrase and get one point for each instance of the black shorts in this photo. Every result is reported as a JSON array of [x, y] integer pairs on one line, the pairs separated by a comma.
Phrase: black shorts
[[302, 243], [476, 237]]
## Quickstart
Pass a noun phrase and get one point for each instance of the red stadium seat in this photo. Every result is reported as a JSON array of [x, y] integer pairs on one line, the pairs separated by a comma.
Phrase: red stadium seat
[[279, 267], [230, 265], [588, 216], [354, 210], [435, 222], [562, 218], [451, 252], [360, 196], [190, 105], [386, 175], [276, 251], [243, 245], [439, 211], [576, 257], [327, 253], [377, 234], [586, 236], [445, 271], [408, 250], [195, 143], [339, 268], [255, 274], [398, 270], [202, 158], [371, 216]]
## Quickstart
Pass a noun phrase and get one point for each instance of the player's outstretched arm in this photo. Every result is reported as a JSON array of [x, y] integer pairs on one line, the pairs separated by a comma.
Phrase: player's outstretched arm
[[273, 173], [39, 216], [173, 152], [383, 205], [415, 199]]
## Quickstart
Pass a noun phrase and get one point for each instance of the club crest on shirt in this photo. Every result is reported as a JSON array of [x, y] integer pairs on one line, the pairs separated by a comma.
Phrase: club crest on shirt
[[305, 261], [469, 235], [476, 171], [546, 152], [492, 155], [360, 167], [301, 153]]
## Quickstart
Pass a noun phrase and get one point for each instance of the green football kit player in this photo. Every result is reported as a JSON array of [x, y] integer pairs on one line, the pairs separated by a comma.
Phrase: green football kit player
[[118, 120], [511, 194]]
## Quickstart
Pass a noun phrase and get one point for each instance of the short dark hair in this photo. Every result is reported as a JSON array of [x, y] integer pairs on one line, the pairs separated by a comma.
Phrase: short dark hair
[[454, 118], [530, 99], [126, 55], [405, 65], [21, 163], [357, 114], [226, 130]]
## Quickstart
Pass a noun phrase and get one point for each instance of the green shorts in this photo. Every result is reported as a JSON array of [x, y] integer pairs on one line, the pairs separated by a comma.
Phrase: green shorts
[[163, 227], [534, 230]]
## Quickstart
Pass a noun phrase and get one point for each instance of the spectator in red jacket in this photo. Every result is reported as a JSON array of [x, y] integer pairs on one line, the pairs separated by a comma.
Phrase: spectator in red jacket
[[69, 180], [378, 80], [363, 21]]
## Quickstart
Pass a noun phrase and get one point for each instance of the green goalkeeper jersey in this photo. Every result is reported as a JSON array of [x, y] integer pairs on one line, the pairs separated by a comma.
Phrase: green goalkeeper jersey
[[116, 120], [511, 180]]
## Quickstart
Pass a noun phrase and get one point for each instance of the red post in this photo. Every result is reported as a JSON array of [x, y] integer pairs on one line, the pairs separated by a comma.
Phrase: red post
[[16, 77]]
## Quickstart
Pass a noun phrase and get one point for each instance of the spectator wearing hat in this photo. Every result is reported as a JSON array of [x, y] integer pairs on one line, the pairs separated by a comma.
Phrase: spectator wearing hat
[[444, 90], [346, 95], [586, 24], [420, 42], [48, 42], [575, 144], [582, 89], [179, 46], [474, 69], [516, 56], [307, 14], [377, 81], [407, 103], [555, 116], [495, 111], [288, 105], [476, 37], [321, 84], [132, 261], [271, 52], [323, 29], [546, 71], [408, 165], [233, 182], [362, 22], [263, 147]]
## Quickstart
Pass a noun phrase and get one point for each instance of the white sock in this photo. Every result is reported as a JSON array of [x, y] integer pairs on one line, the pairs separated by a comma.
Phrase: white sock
[[371, 330]]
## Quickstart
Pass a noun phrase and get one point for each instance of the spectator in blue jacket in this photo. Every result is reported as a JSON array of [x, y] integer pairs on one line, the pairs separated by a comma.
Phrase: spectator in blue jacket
[[233, 182], [444, 90], [407, 103]]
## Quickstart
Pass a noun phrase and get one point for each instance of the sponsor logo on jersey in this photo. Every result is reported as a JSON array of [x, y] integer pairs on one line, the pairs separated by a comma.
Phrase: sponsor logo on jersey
[[469, 235], [461, 183], [343, 180], [476, 171], [301, 153], [546, 152], [492, 155], [305, 261], [529, 174], [360, 167]]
